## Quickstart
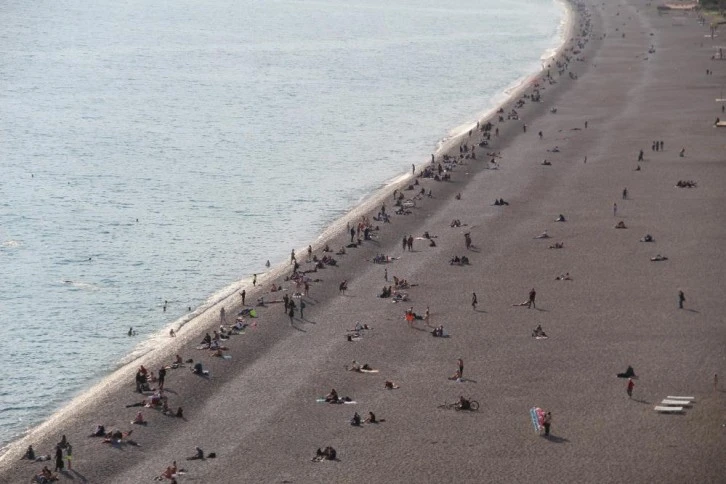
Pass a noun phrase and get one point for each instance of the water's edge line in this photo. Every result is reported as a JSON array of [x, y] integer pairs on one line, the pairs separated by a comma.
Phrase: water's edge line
[[201, 318]]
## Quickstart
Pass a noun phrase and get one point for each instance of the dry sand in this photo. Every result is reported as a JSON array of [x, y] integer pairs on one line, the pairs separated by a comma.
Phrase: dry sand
[[258, 411]]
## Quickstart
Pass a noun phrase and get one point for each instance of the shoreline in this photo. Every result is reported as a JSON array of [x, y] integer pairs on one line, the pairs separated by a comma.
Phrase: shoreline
[[258, 411], [199, 317]]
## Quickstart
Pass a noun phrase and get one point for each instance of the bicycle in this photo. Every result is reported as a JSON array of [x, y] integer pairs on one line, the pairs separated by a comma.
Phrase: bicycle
[[473, 406]]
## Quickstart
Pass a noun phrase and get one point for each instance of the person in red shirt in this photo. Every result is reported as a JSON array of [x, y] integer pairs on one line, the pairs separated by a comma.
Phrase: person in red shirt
[[631, 385]]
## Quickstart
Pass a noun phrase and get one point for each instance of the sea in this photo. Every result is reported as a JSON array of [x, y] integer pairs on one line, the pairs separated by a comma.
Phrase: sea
[[154, 155]]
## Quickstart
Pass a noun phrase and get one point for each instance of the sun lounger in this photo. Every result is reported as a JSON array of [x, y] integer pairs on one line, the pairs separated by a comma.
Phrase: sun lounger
[[677, 403], [671, 397], [668, 409]]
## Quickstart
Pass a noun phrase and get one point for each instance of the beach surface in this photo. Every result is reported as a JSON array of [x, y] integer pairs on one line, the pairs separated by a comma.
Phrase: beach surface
[[629, 77]]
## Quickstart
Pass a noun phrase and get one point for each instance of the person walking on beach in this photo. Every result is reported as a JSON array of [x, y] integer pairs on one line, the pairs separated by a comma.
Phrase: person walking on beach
[[302, 307], [467, 240], [409, 242], [307, 288], [474, 300], [244, 295], [615, 209], [222, 316], [385, 274], [254, 280], [681, 299], [530, 301], [291, 313], [630, 387], [413, 169], [404, 243], [292, 257], [352, 234], [286, 301], [640, 155], [310, 252], [460, 364], [625, 193]]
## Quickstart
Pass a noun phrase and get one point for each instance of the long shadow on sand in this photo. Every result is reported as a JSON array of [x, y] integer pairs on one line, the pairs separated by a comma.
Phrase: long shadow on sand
[[556, 439], [79, 475], [646, 402], [692, 311]]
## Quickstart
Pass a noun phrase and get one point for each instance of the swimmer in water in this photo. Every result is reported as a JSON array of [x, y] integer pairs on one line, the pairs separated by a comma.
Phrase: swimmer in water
[[131, 331]]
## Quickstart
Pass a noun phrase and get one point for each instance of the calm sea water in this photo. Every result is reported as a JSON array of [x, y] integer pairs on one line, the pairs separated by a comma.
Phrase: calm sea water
[[154, 151]]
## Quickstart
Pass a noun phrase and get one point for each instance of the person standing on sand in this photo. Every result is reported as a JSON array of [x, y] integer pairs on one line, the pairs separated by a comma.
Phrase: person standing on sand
[[409, 242], [474, 300], [385, 274], [413, 169], [404, 243], [162, 377], [58, 458], [69, 455], [640, 155], [244, 295], [467, 240], [352, 234], [292, 257], [615, 209], [630, 387], [307, 288], [254, 280], [625, 193], [222, 316], [302, 307], [530, 301], [460, 364], [286, 301], [291, 313], [681, 299], [546, 423]]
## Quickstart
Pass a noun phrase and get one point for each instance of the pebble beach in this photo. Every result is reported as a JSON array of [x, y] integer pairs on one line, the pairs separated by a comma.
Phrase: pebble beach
[[628, 75]]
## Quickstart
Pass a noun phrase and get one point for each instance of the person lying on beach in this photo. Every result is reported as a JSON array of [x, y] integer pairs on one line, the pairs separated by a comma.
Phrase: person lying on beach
[[45, 476], [557, 245], [564, 277], [355, 366], [539, 332], [99, 432], [169, 473], [359, 327], [560, 218], [500, 201], [456, 223], [647, 238], [620, 225], [438, 332], [658, 258], [463, 403], [546, 163], [543, 235], [389, 385]]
